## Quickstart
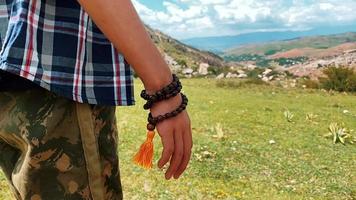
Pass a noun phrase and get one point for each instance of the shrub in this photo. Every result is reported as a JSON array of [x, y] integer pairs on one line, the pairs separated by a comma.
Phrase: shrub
[[340, 79], [255, 72], [182, 62], [271, 52], [218, 70], [313, 84], [340, 134]]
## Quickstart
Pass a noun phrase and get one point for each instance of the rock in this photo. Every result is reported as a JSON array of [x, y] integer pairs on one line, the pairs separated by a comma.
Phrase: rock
[[231, 75], [251, 67], [242, 76], [203, 68], [220, 76], [265, 79], [241, 71], [272, 142], [267, 71], [170, 60], [187, 71], [176, 68]]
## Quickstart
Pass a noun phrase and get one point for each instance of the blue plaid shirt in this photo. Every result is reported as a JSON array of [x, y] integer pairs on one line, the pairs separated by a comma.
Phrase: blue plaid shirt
[[55, 44]]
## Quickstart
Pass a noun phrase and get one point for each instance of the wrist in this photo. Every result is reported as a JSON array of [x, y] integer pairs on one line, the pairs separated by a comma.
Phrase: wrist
[[165, 106], [155, 85]]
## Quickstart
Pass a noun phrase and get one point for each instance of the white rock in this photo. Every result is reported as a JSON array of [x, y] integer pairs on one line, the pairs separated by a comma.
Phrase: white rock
[[265, 79], [251, 67], [231, 75], [241, 71], [176, 68], [272, 142], [169, 60], [267, 71], [203, 68], [242, 76], [220, 76]]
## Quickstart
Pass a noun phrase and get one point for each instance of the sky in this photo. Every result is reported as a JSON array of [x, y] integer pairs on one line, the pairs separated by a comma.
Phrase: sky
[[184, 19]]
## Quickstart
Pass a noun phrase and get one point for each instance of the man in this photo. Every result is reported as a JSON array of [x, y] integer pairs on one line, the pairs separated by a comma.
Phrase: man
[[58, 137]]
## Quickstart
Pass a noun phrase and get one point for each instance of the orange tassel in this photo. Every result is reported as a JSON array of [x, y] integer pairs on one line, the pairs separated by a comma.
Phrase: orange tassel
[[144, 156]]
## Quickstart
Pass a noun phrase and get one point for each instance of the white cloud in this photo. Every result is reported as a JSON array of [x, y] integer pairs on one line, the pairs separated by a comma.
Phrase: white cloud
[[190, 18]]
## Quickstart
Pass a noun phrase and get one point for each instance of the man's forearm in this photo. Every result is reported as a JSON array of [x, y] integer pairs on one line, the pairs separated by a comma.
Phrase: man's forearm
[[120, 23]]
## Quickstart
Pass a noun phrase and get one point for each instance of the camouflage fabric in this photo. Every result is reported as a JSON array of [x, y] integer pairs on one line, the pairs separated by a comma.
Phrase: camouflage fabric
[[53, 148]]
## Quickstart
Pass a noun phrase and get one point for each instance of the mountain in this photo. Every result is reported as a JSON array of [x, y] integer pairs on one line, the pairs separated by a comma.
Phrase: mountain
[[222, 43], [181, 53], [300, 47]]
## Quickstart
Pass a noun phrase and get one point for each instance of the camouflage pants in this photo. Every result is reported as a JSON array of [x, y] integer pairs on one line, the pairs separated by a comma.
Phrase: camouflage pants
[[53, 148]]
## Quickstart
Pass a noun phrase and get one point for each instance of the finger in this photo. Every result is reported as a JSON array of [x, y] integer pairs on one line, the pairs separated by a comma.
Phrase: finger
[[177, 155], [168, 148], [187, 141], [190, 135]]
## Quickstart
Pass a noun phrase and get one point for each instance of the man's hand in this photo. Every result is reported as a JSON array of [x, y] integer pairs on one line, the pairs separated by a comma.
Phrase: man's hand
[[176, 137]]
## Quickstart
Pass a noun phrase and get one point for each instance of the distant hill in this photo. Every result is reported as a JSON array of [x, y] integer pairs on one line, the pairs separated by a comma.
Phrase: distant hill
[[221, 43], [316, 53], [306, 44]]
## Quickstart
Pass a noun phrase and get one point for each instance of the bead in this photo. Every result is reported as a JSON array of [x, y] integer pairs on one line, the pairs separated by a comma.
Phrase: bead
[[146, 106], [160, 118], [166, 92], [150, 127], [154, 121], [169, 91], [159, 93]]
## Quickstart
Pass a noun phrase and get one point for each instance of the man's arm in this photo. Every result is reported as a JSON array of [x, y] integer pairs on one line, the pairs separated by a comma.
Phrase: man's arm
[[120, 23]]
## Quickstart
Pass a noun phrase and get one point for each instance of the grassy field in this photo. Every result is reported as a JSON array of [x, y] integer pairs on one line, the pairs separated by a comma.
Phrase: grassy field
[[244, 147]]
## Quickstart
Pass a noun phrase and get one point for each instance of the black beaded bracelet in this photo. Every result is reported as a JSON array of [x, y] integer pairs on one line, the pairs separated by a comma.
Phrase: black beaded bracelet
[[153, 121], [167, 92]]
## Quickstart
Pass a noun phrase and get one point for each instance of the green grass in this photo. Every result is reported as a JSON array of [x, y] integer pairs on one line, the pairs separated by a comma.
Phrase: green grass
[[243, 164]]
